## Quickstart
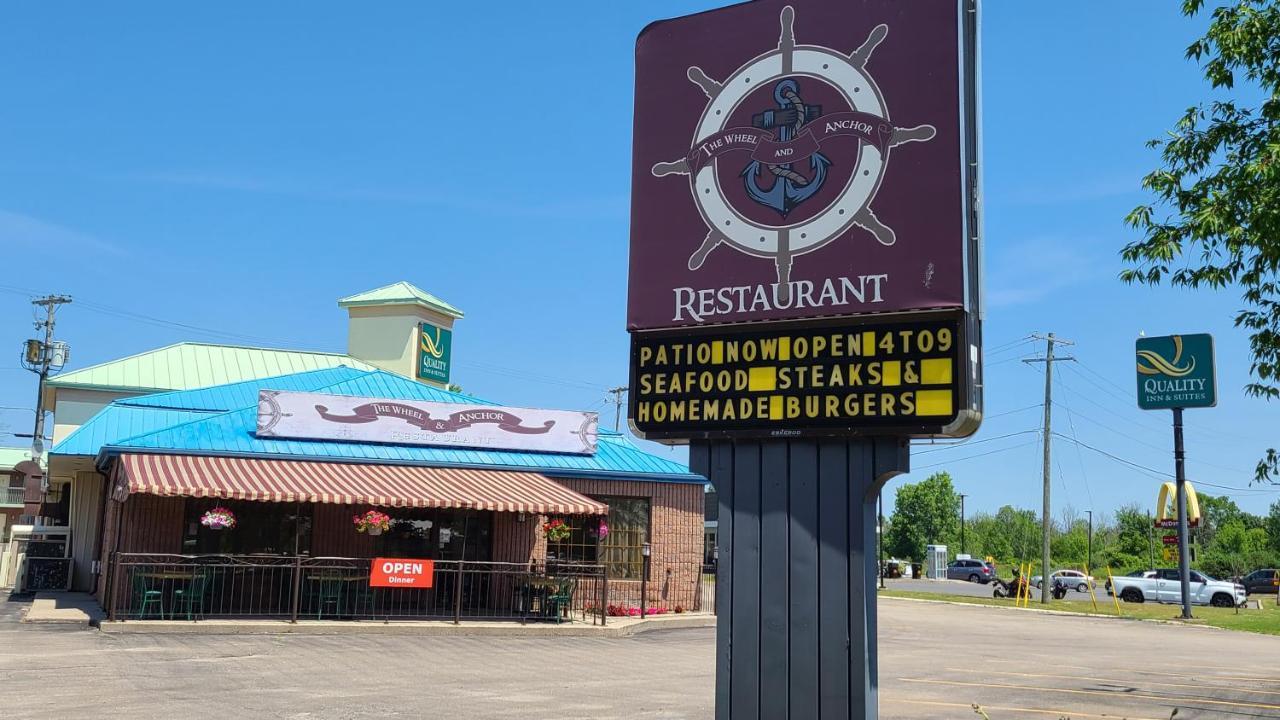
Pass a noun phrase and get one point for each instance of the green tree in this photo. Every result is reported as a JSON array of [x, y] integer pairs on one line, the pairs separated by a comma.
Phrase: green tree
[[1009, 536], [1132, 545], [1273, 526], [1215, 219], [924, 513]]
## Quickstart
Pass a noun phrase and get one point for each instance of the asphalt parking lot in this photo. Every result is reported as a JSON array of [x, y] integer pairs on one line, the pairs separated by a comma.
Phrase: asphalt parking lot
[[936, 660]]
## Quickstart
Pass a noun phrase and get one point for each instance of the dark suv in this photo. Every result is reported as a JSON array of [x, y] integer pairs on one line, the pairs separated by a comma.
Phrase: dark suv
[[1260, 581], [971, 570]]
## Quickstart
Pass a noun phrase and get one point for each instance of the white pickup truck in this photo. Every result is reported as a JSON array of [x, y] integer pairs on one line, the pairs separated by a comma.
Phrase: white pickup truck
[[1165, 586]]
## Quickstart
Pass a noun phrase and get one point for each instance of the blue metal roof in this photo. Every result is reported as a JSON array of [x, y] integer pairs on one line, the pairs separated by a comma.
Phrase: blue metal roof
[[116, 422], [132, 416], [190, 422]]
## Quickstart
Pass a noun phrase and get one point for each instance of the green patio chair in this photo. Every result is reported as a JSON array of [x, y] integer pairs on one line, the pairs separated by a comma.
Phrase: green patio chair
[[330, 593], [190, 599], [146, 597], [561, 599]]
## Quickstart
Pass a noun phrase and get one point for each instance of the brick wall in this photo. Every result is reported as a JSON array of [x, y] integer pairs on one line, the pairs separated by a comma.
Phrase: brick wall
[[675, 537]]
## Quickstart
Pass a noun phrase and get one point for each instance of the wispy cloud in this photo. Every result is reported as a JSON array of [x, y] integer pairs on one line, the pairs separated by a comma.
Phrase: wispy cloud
[[18, 230], [491, 203], [1038, 267], [1068, 192]]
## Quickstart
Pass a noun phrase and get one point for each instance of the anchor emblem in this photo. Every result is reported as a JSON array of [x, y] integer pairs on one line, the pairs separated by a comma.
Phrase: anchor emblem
[[788, 188], [781, 138]]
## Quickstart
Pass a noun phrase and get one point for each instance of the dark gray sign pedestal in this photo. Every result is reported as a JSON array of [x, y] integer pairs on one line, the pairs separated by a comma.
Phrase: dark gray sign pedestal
[[796, 583]]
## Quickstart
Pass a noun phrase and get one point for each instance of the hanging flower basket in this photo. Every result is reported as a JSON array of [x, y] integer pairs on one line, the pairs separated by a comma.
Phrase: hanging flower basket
[[603, 530], [556, 531], [372, 522], [218, 518]]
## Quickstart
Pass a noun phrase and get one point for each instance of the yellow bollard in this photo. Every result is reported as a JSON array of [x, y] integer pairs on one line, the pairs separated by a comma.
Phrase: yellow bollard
[[1115, 591], [1024, 583], [1092, 596]]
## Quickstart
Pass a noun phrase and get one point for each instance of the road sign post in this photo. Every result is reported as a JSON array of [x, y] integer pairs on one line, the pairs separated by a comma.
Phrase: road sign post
[[804, 300], [1177, 372]]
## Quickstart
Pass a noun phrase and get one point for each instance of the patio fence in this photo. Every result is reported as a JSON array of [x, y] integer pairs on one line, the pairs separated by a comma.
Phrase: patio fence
[[195, 587]]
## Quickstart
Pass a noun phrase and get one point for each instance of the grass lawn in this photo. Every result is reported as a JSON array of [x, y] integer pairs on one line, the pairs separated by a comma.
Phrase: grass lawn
[[1266, 620]]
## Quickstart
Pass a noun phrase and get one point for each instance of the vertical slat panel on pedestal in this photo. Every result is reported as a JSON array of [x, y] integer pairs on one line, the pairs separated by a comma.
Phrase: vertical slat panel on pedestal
[[774, 595], [833, 579], [745, 636], [802, 548]]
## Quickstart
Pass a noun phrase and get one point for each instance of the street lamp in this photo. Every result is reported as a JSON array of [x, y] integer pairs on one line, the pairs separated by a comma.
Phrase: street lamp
[[645, 552]]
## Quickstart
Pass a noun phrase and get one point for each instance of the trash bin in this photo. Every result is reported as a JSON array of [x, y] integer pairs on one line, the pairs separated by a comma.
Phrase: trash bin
[[916, 570]]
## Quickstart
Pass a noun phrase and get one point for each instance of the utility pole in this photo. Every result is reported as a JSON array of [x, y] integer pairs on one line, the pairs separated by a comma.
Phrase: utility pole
[[617, 393], [1046, 519], [1090, 552], [43, 358], [963, 549]]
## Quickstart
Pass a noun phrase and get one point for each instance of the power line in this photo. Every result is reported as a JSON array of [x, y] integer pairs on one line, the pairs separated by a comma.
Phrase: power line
[[1012, 343], [1071, 423], [976, 442], [1117, 458], [515, 373], [971, 457]]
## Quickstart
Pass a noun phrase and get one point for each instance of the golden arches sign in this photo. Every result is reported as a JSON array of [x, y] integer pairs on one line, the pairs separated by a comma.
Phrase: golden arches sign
[[1167, 504]]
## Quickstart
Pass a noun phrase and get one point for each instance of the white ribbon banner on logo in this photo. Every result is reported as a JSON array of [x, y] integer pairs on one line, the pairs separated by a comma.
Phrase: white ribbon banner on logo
[[316, 416]]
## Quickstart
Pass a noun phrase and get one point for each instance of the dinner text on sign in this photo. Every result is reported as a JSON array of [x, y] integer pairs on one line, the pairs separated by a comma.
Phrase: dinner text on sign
[[401, 572], [868, 376]]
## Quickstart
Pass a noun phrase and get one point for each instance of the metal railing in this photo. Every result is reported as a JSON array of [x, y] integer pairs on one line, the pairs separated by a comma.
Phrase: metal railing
[[194, 587], [11, 496]]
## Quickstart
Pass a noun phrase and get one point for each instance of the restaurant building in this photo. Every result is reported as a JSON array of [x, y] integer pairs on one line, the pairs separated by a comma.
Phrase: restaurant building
[[297, 456]]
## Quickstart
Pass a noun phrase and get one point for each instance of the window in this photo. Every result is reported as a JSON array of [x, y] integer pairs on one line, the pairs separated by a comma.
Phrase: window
[[262, 528], [437, 535], [620, 551]]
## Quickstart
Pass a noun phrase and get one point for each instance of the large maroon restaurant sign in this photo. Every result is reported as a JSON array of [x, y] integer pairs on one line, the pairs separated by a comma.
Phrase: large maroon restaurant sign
[[801, 159], [804, 229]]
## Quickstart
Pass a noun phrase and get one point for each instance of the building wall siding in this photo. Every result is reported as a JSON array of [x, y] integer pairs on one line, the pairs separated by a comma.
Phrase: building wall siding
[[334, 535], [675, 537], [87, 490], [515, 541]]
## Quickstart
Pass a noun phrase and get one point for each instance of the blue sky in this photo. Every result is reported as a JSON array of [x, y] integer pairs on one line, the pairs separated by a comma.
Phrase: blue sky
[[236, 167]]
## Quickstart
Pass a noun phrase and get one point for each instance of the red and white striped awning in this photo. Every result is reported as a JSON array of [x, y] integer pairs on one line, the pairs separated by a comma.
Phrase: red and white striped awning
[[350, 484]]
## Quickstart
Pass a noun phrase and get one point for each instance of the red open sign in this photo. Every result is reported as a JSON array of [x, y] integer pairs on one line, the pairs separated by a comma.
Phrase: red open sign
[[401, 572]]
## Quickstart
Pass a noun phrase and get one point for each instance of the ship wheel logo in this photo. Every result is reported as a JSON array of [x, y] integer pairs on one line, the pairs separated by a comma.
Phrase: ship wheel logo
[[816, 134]]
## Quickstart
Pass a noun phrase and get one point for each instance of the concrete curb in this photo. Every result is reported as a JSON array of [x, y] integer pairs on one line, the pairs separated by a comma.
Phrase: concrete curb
[[1067, 613], [616, 628]]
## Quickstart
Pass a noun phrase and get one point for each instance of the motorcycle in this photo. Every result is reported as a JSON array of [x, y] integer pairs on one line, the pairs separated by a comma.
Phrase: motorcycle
[[1059, 589], [1013, 588]]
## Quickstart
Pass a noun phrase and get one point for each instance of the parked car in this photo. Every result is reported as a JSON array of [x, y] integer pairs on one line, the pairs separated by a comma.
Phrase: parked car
[[1165, 586], [1073, 579], [1135, 574], [972, 570], [1261, 581]]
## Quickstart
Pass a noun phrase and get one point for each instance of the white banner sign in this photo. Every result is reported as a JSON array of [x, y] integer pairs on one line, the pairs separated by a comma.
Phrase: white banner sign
[[315, 416]]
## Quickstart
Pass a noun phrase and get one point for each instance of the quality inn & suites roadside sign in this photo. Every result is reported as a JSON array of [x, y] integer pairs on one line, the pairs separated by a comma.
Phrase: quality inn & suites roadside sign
[[1176, 371]]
